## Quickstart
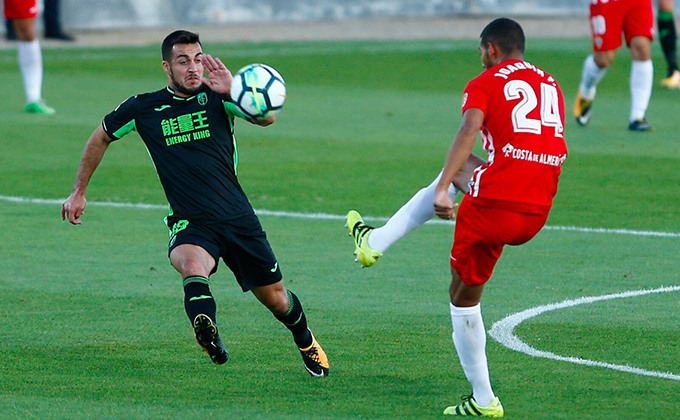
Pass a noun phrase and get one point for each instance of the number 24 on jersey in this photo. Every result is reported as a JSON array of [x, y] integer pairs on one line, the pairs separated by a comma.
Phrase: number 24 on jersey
[[529, 101]]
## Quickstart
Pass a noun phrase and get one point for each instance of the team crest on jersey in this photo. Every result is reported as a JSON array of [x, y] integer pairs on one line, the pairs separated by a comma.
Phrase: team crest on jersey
[[598, 42], [176, 228], [202, 98]]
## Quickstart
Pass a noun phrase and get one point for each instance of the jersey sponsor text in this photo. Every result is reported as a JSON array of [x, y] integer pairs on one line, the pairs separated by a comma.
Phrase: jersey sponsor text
[[543, 158]]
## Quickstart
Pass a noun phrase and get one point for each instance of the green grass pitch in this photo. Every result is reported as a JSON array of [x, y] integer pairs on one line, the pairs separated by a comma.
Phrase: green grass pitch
[[92, 323]]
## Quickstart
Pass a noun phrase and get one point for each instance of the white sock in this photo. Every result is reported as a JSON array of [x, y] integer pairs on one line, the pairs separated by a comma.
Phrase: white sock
[[590, 77], [469, 337], [30, 64], [641, 80], [418, 210]]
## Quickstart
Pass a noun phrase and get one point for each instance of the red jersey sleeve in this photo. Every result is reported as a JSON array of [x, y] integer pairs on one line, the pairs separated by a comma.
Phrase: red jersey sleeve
[[475, 97]]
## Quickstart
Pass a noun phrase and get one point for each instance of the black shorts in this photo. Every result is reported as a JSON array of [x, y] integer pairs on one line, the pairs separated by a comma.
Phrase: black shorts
[[241, 243]]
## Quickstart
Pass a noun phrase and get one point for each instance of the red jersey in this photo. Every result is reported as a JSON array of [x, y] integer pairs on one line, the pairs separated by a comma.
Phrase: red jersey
[[523, 133]]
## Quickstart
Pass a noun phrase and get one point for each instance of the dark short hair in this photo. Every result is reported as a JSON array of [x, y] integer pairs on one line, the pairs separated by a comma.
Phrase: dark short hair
[[177, 37], [504, 33]]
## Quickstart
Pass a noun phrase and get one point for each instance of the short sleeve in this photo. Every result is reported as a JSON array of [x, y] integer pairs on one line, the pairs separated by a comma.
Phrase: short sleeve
[[232, 110], [475, 97], [121, 120]]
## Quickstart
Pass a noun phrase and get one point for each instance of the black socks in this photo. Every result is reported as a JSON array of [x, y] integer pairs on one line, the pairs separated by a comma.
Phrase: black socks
[[296, 322], [668, 38], [197, 298]]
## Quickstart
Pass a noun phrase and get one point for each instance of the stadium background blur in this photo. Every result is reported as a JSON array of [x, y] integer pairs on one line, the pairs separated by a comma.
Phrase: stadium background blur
[[131, 22], [104, 14]]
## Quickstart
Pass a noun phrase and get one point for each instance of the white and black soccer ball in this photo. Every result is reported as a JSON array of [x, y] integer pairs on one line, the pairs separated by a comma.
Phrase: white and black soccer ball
[[258, 91]]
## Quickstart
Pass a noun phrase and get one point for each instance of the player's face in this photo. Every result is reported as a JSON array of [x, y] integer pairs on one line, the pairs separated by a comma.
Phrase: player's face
[[486, 57], [185, 70]]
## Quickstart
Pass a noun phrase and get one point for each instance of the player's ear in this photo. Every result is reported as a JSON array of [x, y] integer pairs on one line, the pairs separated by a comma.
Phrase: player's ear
[[166, 67], [493, 50]]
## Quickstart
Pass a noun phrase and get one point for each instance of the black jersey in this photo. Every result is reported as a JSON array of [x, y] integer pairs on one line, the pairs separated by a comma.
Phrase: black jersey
[[191, 142]]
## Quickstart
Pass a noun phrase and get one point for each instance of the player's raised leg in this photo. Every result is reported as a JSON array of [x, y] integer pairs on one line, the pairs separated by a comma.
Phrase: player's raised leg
[[410, 216], [195, 265], [371, 243], [286, 307], [360, 232]]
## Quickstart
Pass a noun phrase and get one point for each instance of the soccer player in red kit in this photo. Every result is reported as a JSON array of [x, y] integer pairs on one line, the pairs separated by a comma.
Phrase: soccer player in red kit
[[608, 20], [519, 109], [23, 13]]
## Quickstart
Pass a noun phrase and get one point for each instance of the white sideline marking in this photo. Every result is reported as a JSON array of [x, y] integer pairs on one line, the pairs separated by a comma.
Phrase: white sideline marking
[[502, 331], [326, 216]]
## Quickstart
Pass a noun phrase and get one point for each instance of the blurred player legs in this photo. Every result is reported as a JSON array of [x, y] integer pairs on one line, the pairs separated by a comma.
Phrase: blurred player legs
[[633, 18], [668, 39], [23, 13]]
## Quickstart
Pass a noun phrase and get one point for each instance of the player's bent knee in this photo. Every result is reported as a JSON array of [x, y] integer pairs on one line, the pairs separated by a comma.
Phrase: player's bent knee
[[192, 260], [641, 52], [604, 59], [274, 297], [191, 267], [276, 304]]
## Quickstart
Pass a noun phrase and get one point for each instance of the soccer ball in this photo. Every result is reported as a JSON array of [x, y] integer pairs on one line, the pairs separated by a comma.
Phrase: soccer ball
[[258, 91]]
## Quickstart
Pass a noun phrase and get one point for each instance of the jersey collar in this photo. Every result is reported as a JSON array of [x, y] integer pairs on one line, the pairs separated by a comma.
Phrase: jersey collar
[[179, 98]]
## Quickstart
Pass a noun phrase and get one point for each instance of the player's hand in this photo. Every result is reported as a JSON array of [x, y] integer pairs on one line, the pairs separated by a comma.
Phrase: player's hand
[[73, 208], [444, 207], [265, 121], [219, 76]]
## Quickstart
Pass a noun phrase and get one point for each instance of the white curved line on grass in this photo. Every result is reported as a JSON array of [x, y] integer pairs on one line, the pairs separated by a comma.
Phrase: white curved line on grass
[[503, 332], [326, 216]]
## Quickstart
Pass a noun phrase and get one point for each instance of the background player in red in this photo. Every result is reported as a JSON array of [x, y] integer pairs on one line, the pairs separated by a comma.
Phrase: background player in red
[[23, 13], [608, 19], [520, 111]]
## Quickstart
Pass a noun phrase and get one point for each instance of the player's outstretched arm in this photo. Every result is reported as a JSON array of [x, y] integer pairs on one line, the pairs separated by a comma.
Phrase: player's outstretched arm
[[264, 121], [458, 155], [219, 77], [96, 146]]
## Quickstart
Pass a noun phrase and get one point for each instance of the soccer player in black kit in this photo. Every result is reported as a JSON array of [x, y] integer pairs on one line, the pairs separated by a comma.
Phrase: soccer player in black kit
[[188, 129]]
